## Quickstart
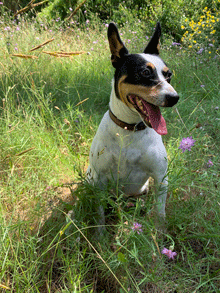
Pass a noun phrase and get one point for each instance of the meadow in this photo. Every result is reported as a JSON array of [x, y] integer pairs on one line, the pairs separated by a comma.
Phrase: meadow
[[51, 104]]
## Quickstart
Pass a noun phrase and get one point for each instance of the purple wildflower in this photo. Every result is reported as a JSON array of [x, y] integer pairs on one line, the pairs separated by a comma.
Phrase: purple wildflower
[[176, 44], [202, 85], [200, 51], [209, 164], [169, 253], [137, 227], [186, 144]]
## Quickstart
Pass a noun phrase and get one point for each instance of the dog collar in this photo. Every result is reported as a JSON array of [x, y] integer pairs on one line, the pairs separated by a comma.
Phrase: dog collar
[[132, 127]]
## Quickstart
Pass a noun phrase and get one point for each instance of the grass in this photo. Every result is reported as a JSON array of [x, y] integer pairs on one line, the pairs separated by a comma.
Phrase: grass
[[47, 218]]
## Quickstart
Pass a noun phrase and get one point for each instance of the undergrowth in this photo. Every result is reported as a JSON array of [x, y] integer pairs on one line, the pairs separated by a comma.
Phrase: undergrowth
[[50, 110]]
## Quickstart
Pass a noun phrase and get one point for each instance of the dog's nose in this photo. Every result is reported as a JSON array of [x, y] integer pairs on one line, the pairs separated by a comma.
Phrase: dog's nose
[[171, 100]]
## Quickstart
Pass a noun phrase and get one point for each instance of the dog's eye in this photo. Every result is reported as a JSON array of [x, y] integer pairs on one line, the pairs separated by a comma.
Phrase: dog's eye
[[147, 72]]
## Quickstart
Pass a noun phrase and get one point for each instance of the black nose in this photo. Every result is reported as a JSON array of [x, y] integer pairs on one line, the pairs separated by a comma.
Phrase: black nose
[[171, 100]]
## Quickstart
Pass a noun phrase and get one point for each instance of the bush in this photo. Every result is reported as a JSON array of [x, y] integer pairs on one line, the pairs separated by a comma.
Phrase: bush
[[178, 18], [203, 31]]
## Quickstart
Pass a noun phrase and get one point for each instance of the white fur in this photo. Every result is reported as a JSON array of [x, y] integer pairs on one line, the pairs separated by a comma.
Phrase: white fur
[[129, 158]]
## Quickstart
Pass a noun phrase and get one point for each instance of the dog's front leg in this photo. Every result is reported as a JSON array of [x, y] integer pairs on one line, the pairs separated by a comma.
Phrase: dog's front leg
[[162, 185]]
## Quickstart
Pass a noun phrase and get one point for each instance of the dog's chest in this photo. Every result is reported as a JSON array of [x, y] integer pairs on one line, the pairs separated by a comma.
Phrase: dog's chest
[[114, 148]]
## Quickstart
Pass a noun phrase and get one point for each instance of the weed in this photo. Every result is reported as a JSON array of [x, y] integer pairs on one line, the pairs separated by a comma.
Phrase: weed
[[50, 109]]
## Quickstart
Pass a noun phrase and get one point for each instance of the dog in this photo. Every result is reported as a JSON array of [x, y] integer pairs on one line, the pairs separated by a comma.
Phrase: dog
[[127, 148]]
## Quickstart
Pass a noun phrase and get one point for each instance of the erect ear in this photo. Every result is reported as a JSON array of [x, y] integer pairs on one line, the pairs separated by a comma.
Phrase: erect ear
[[116, 45], [154, 46]]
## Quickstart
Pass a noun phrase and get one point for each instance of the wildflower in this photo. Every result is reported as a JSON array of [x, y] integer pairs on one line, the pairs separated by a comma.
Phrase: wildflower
[[1, 3], [202, 85], [87, 21], [169, 253], [176, 44], [186, 144], [70, 9], [209, 164], [137, 227]]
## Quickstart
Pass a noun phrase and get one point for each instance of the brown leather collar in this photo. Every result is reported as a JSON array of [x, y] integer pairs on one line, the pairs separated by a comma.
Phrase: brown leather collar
[[132, 127]]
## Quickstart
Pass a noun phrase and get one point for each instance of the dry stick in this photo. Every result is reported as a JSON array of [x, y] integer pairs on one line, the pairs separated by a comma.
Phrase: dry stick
[[81, 102], [64, 54], [29, 6], [70, 53], [25, 8], [4, 287], [155, 241], [39, 3], [74, 12], [25, 56], [98, 254], [24, 152], [41, 45]]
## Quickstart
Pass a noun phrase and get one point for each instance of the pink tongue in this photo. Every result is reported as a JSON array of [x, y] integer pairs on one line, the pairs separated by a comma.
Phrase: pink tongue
[[156, 119]]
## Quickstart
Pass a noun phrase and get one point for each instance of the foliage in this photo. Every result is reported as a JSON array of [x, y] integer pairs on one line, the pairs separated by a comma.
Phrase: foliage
[[50, 108], [58, 9], [203, 32]]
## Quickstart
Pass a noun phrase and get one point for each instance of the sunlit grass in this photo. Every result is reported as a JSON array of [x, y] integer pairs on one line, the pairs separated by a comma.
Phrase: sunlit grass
[[50, 110]]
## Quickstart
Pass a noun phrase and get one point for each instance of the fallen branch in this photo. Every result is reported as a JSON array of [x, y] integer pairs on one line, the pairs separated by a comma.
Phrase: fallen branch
[[30, 5]]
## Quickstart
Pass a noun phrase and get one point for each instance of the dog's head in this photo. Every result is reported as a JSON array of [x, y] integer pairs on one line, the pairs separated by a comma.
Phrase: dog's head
[[142, 81]]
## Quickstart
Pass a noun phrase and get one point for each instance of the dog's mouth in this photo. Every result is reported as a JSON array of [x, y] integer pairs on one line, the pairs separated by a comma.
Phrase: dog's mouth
[[150, 113]]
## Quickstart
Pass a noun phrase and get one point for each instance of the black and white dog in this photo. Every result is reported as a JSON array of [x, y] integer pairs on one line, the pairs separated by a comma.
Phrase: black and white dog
[[128, 147]]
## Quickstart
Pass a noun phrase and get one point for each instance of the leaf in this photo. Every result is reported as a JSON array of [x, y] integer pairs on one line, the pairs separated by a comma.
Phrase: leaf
[[121, 257]]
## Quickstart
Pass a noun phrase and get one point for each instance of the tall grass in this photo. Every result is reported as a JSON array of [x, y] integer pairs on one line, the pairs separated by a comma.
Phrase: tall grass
[[50, 110]]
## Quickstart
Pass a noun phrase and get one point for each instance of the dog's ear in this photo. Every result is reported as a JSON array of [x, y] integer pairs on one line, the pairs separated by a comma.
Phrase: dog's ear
[[153, 46], [116, 45]]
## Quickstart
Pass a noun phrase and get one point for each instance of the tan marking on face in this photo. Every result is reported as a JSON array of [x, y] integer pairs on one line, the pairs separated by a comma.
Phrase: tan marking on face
[[150, 94], [158, 47], [150, 65], [165, 69]]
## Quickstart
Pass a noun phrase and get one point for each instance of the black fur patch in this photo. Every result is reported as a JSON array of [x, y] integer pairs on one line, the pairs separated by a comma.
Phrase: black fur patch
[[137, 71]]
